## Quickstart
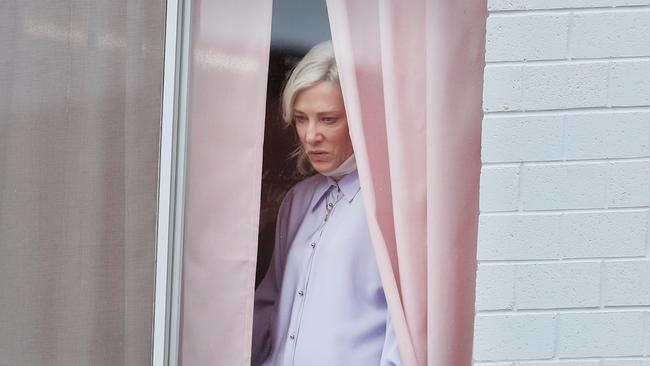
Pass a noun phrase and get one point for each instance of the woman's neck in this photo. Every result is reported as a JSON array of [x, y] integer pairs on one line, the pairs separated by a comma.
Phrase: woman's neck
[[346, 167]]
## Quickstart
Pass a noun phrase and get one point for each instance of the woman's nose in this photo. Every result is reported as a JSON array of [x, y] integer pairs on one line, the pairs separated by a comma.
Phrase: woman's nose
[[312, 134]]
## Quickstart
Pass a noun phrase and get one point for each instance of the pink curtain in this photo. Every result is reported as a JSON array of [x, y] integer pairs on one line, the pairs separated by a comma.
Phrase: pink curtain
[[229, 63], [412, 74]]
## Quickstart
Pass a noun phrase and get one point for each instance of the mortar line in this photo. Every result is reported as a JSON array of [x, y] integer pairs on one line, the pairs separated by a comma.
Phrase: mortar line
[[567, 61], [566, 210], [580, 310], [609, 83], [646, 351], [564, 137], [520, 186], [514, 288], [609, 164], [556, 334], [647, 235], [569, 111], [601, 287], [566, 359], [564, 162], [495, 262], [581, 10], [522, 96], [569, 36]]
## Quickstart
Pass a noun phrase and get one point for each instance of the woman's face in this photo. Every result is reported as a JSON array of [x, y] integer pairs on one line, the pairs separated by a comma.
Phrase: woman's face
[[322, 126]]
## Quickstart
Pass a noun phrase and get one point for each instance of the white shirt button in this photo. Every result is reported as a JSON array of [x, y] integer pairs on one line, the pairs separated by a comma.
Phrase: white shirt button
[[301, 292]]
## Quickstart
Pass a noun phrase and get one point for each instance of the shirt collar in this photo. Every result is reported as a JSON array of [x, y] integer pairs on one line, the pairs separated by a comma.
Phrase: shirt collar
[[349, 185]]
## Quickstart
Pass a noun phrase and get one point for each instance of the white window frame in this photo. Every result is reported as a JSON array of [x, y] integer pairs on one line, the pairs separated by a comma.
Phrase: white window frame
[[171, 183]]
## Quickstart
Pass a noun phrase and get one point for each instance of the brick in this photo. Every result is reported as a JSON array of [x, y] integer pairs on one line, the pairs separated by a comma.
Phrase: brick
[[526, 37], [494, 287], [496, 5], [607, 135], [499, 189], [645, 362], [626, 283], [560, 363], [557, 285], [502, 88], [510, 337], [511, 237], [523, 138], [628, 34], [563, 186], [630, 83], [600, 334], [629, 184], [606, 234], [576, 85]]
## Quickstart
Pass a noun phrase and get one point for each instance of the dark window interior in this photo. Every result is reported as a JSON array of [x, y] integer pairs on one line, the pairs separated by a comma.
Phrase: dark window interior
[[297, 26]]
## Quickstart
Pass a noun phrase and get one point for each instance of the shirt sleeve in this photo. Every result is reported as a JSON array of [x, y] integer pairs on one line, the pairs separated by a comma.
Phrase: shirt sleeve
[[265, 299], [267, 293], [390, 354]]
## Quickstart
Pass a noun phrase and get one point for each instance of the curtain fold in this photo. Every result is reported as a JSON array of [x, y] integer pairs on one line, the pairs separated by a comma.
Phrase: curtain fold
[[455, 63], [229, 64], [411, 75]]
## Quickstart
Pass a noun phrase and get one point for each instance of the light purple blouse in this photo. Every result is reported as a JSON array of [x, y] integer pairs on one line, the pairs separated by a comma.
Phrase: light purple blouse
[[322, 302]]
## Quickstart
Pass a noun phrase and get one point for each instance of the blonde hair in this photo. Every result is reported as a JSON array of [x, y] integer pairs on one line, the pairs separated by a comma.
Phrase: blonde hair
[[318, 65]]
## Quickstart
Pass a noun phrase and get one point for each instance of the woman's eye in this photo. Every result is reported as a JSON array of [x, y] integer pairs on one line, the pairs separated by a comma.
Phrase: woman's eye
[[299, 119], [329, 120]]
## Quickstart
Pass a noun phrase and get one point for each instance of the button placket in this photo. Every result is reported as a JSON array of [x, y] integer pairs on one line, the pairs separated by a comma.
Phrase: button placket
[[299, 305], [301, 292]]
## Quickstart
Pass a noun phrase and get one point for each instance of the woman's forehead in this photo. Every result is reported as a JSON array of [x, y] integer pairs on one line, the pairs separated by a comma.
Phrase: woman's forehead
[[323, 96]]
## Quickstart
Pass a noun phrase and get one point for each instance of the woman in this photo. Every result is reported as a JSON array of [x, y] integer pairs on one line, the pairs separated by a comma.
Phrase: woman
[[322, 302]]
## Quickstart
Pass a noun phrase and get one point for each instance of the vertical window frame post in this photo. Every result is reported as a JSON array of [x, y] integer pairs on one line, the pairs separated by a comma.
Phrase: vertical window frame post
[[171, 183]]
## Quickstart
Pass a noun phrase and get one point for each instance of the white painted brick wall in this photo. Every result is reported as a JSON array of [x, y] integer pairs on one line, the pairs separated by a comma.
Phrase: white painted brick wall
[[564, 232], [515, 337], [600, 334], [565, 285], [626, 283], [626, 34]]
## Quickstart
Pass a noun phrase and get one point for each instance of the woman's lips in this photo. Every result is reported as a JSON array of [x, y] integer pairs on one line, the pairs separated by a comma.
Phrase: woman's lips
[[318, 155]]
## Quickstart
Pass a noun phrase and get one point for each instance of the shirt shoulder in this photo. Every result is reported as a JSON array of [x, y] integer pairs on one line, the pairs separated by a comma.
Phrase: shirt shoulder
[[302, 193], [294, 209]]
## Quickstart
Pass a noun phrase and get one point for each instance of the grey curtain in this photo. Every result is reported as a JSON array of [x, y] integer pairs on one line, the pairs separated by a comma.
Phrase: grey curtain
[[80, 95]]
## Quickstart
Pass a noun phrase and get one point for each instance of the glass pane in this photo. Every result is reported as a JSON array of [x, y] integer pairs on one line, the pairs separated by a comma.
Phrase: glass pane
[[79, 130]]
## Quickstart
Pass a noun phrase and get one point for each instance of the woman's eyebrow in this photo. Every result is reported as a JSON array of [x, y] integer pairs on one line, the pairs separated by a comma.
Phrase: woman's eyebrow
[[332, 111]]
